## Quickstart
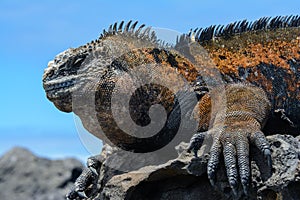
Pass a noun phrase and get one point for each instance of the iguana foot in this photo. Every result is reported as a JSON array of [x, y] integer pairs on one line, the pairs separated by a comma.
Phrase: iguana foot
[[86, 183], [236, 122], [234, 142]]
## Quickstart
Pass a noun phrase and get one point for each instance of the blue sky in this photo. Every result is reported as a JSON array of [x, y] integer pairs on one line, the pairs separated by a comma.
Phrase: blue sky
[[33, 32]]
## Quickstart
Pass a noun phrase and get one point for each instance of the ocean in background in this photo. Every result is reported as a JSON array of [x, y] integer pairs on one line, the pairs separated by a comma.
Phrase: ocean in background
[[53, 145]]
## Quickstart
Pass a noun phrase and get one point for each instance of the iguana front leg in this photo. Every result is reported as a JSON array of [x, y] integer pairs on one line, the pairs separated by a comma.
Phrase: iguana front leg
[[233, 129], [85, 184]]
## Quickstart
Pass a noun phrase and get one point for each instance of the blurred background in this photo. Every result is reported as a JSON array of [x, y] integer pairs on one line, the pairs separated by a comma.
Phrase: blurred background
[[33, 32]]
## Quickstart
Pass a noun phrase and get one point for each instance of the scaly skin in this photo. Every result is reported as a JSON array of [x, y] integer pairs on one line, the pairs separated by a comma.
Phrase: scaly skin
[[74, 78], [259, 64]]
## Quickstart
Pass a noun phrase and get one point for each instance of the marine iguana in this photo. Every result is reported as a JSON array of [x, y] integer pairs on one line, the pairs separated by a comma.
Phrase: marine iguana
[[258, 62]]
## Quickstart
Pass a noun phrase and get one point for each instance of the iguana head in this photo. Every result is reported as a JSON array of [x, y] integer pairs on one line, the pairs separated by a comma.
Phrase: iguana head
[[59, 79], [64, 74]]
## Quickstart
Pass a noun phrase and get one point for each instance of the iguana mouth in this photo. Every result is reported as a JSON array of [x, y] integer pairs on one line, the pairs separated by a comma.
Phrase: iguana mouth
[[49, 87], [60, 95]]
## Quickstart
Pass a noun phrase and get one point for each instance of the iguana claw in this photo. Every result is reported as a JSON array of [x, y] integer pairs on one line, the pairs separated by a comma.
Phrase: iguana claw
[[72, 195], [82, 194]]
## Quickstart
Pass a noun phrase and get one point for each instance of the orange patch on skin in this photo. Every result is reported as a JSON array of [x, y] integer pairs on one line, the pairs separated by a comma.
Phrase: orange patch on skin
[[260, 78], [187, 69], [251, 49], [203, 115], [277, 53]]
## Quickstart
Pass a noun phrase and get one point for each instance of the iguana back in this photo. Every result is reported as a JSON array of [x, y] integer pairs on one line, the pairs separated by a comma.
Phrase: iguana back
[[265, 53]]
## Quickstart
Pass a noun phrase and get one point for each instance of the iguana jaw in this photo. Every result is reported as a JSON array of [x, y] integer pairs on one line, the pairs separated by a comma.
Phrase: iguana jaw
[[60, 93], [64, 105]]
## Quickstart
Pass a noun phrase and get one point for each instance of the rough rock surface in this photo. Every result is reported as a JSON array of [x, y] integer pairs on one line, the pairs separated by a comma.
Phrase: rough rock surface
[[185, 177], [24, 176]]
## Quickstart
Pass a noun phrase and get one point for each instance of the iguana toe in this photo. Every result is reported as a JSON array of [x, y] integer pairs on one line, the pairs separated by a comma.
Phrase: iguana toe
[[230, 153], [259, 140], [213, 162], [196, 143], [242, 148], [94, 164]]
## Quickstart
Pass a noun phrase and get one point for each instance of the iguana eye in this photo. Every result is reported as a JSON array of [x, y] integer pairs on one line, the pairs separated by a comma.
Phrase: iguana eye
[[78, 60]]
